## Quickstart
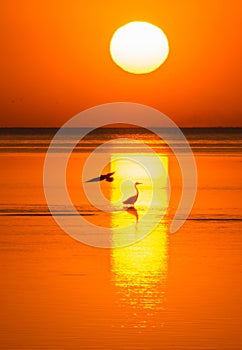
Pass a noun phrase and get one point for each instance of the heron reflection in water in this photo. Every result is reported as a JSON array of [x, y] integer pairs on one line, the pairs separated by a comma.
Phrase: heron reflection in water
[[133, 211]]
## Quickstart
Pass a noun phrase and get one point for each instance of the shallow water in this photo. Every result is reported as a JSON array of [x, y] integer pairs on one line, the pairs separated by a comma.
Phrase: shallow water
[[169, 291]]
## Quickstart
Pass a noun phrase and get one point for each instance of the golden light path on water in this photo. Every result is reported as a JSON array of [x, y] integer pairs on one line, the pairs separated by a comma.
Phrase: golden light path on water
[[139, 270]]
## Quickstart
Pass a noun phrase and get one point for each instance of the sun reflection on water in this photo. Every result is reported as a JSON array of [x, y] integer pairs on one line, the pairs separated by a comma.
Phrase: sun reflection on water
[[149, 169], [139, 270], [152, 172], [139, 274]]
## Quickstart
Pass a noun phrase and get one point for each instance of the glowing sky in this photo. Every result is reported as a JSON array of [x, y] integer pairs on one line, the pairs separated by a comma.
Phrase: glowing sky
[[55, 60]]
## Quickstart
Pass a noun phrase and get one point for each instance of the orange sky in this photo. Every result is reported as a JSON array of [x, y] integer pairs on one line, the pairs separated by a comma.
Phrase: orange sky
[[55, 60]]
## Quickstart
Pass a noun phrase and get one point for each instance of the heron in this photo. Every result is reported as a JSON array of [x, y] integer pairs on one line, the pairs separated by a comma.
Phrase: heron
[[131, 200], [108, 177]]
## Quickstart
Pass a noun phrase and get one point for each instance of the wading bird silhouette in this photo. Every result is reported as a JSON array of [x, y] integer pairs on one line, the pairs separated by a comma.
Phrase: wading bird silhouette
[[131, 200], [108, 177]]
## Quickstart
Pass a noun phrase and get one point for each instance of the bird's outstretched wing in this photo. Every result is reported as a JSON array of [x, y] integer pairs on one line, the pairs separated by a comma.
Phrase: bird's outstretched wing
[[95, 179]]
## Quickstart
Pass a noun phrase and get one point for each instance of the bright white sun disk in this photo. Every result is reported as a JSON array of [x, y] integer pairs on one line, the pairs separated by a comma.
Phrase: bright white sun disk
[[139, 47]]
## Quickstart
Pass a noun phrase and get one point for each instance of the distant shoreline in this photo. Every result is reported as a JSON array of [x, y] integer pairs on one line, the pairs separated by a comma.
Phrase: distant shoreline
[[54, 129]]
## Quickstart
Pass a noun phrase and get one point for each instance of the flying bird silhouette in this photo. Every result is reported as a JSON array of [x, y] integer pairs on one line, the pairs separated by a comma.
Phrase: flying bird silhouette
[[131, 200], [108, 177]]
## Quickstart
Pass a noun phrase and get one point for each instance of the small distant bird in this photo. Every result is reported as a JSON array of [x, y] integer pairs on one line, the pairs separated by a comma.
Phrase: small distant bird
[[108, 177], [133, 199]]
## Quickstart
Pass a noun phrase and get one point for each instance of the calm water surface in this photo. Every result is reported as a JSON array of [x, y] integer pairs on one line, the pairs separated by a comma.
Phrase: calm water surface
[[177, 291]]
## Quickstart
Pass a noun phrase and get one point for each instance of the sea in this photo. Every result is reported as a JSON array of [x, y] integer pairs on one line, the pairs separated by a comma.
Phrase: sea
[[80, 271]]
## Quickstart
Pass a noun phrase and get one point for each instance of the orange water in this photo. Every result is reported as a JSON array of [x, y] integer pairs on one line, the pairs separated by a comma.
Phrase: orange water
[[169, 291]]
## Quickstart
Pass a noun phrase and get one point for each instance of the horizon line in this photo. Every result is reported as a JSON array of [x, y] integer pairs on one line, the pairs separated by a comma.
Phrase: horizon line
[[124, 126]]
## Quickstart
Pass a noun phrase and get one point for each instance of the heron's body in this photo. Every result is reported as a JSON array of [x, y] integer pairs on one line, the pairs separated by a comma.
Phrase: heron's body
[[131, 200]]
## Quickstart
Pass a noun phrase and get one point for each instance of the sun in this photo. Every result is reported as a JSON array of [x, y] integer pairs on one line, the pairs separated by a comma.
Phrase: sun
[[139, 47]]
